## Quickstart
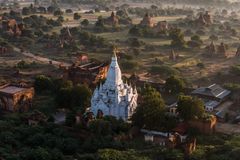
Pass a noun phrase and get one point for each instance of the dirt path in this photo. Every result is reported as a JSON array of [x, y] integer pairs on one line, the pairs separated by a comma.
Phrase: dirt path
[[228, 128], [42, 59]]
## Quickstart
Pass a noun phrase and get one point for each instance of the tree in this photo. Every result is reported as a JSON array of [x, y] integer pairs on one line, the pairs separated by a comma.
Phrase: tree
[[97, 10], [28, 33], [174, 85], [122, 13], [69, 11], [174, 154], [26, 11], [56, 155], [76, 16], [42, 83], [135, 31], [113, 154], [85, 22], [100, 22], [74, 98], [135, 42], [153, 7], [22, 64], [163, 70], [81, 97], [42, 9], [36, 154], [36, 140], [69, 146], [63, 98], [59, 84], [177, 38], [117, 125], [213, 37], [51, 9], [195, 42], [196, 38], [235, 70], [190, 107], [100, 127], [70, 119], [60, 19], [150, 113], [58, 13], [129, 65], [16, 4]]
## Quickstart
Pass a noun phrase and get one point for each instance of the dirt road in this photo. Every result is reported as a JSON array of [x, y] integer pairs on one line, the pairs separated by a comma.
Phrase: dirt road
[[227, 128], [42, 59]]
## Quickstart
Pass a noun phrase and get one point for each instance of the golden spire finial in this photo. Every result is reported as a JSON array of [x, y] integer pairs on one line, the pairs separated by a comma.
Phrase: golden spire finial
[[115, 51]]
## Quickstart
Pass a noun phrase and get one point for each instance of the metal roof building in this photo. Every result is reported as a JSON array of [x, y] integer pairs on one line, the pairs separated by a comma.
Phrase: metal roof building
[[212, 92]]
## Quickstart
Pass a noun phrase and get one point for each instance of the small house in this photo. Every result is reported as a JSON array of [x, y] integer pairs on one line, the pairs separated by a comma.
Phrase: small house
[[212, 95]]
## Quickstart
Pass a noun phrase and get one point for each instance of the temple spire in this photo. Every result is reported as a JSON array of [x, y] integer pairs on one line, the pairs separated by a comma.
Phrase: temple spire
[[114, 53], [114, 77]]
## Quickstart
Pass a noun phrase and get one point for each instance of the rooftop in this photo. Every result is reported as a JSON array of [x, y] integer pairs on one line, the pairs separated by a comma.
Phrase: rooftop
[[181, 128], [91, 66], [212, 104], [11, 89], [212, 91]]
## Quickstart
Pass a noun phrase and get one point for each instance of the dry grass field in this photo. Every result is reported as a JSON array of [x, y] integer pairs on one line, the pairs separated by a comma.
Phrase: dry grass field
[[187, 64], [136, 20]]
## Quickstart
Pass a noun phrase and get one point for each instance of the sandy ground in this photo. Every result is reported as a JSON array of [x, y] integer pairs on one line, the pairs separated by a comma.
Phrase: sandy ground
[[225, 106], [213, 66], [43, 59], [228, 128]]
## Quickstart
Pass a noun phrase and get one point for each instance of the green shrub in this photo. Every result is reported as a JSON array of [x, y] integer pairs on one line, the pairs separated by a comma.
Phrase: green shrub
[[201, 65], [163, 70], [232, 86], [22, 64], [43, 83], [129, 65], [235, 70]]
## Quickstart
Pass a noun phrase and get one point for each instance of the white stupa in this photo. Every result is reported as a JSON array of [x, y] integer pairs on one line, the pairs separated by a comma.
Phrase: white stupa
[[114, 97]]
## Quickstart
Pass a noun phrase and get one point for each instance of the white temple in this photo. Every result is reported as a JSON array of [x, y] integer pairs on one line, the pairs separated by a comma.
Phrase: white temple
[[114, 97]]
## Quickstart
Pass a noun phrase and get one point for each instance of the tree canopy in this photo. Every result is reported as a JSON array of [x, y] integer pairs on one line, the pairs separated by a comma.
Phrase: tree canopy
[[190, 107], [177, 38], [77, 97], [150, 113], [174, 85], [42, 83]]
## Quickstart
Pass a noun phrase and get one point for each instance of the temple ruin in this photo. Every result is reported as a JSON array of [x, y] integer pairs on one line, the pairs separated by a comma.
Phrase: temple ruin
[[147, 21], [112, 20], [89, 73], [15, 98]]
